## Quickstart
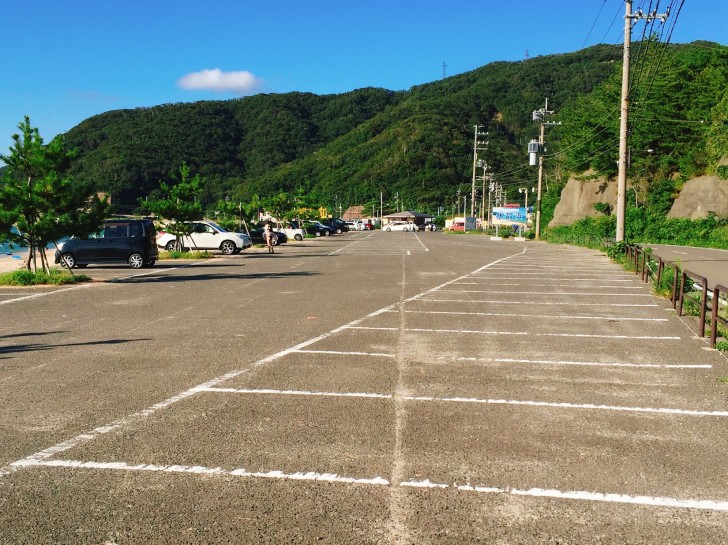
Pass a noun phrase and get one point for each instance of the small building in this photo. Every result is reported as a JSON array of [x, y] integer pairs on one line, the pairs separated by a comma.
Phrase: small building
[[409, 216]]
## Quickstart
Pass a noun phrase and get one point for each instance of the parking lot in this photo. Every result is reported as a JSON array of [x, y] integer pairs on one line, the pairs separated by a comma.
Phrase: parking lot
[[365, 388]]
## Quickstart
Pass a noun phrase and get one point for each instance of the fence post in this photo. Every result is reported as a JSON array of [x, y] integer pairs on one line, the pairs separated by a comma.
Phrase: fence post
[[660, 267], [714, 315], [703, 305], [674, 287]]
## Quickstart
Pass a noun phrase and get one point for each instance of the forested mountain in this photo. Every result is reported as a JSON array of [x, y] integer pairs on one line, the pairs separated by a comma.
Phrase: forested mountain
[[418, 144]]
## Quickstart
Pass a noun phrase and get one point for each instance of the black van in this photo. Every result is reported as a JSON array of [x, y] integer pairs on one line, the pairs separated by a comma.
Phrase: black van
[[131, 241]]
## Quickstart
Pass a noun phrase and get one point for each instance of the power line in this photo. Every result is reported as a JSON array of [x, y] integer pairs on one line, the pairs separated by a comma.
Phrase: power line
[[593, 24]]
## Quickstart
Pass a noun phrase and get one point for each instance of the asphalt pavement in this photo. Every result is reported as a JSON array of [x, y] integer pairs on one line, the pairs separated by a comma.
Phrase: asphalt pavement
[[364, 388], [710, 263]]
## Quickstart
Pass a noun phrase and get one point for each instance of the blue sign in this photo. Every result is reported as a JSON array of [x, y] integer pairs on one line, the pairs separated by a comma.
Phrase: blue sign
[[509, 216]]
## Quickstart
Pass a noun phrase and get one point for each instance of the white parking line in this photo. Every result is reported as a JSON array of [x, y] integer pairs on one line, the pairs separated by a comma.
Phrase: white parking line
[[523, 360], [587, 363], [567, 285], [471, 400], [427, 299], [578, 495], [520, 333], [458, 313], [523, 292], [201, 470], [346, 353]]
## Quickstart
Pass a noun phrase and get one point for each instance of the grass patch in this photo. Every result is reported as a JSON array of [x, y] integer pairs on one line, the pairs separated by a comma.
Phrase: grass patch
[[723, 347], [174, 254], [723, 380], [28, 278]]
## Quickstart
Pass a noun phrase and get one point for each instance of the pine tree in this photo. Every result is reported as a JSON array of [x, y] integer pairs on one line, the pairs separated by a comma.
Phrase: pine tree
[[39, 199]]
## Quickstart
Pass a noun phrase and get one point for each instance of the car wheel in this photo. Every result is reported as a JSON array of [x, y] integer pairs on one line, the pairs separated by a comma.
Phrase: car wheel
[[388, 229], [318, 233], [69, 261], [170, 245], [327, 233], [338, 231], [298, 236], [228, 247], [136, 261]]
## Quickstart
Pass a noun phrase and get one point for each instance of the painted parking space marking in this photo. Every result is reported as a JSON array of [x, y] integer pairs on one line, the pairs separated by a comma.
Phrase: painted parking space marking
[[587, 363], [129, 419], [346, 353], [426, 484], [429, 299], [466, 400], [504, 314], [214, 387], [523, 292], [201, 470], [520, 333], [567, 285], [521, 360], [522, 273]]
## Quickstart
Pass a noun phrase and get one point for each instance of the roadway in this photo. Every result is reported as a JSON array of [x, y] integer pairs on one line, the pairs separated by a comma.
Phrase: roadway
[[709, 263], [365, 388]]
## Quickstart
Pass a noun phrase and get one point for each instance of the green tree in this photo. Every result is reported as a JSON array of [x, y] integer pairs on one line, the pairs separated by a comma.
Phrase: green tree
[[40, 200], [178, 204]]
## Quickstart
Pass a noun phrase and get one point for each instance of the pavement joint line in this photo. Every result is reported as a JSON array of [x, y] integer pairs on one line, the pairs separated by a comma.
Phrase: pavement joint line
[[522, 333], [455, 312], [502, 301], [471, 400], [580, 495], [93, 434]]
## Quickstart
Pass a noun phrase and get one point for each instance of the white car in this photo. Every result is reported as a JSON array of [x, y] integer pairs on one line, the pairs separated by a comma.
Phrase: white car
[[207, 235], [400, 226]]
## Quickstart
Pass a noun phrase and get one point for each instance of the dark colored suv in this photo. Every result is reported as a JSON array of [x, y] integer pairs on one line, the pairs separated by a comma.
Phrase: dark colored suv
[[337, 225], [131, 241]]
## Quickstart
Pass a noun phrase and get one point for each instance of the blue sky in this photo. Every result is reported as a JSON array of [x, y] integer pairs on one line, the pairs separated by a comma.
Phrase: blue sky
[[66, 60]]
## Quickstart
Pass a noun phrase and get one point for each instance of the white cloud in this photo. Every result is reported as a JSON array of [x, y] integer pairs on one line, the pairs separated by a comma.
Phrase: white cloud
[[242, 83]]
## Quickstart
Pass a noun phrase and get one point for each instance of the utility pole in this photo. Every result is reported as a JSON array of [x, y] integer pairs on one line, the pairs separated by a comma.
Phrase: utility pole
[[624, 114], [477, 146], [537, 147]]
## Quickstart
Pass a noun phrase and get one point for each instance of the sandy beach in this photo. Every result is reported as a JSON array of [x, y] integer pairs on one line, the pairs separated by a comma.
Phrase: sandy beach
[[15, 260]]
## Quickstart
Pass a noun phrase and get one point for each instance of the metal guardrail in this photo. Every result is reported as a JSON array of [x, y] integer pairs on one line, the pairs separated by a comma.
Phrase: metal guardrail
[[643, 266]]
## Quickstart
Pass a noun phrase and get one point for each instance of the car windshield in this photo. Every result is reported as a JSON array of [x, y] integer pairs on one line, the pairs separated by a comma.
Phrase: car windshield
[[217, 227]]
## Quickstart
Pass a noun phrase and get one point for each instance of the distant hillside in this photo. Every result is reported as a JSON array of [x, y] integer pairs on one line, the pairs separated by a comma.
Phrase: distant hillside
[[348, 148]]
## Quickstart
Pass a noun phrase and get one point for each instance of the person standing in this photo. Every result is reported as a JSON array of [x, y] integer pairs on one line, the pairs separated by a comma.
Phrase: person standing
[[268, 235]]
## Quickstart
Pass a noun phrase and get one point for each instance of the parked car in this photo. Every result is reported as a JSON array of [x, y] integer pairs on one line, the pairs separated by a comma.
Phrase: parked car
[[359, 225], [207, 235], [337, 225], [314, 228], [400, 226], [122, 240], [256, 236], [290, 229], [457, 226]]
